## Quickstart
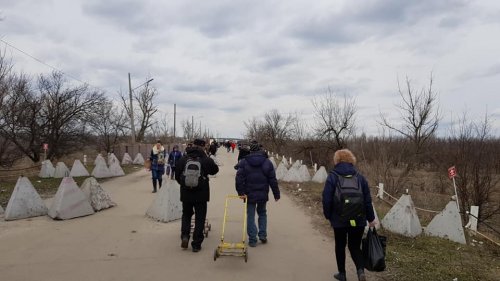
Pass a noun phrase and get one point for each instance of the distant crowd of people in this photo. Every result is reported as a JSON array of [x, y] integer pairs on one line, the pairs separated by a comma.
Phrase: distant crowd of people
[[346, 197]]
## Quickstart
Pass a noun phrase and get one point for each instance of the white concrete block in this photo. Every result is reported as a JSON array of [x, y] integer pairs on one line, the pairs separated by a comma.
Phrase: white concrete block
[[296, 164], [25, 202], [281, 171], [69, 202], [293, 175], [127, 160], [115, 169], [47, 170], [447, 224], [112, 158], [166, 206], [139, 160], [98, 159], [321, 175], [98, 198], [304, 173], [61, 170], [402, 218], [101, 170], [273, 162], [78, 170], [284, 161]]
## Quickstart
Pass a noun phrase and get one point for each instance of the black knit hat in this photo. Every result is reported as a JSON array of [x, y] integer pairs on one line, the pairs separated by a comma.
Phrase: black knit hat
[[254, 145], [199, 142]]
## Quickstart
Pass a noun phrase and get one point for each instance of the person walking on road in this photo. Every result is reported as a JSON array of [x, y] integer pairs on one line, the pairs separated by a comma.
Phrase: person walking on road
[[191, 173], [347, 205], [174, 155], [157, 158], [254, 177]]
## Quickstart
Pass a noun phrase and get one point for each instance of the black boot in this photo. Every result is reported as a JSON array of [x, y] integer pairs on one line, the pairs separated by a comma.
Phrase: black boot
[[159, 183], [154, 185], [340, 276], [361, 275]]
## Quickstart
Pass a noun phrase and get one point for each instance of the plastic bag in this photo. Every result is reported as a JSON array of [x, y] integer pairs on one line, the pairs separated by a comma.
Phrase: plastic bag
[[167, 170], [373, 248]]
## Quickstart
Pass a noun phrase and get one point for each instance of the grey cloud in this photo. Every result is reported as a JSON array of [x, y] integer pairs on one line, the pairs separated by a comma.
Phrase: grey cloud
[[492, 70], [197, 87]]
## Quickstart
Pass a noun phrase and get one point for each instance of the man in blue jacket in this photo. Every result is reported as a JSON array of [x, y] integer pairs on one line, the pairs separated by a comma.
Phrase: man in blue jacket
[[348, 230], [254, 177]]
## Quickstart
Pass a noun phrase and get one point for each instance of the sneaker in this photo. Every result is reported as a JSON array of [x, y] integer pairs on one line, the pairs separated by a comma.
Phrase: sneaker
[[263, 240], [340, 276], [361, 275], [196, 249], [252, 244], [185, 242]]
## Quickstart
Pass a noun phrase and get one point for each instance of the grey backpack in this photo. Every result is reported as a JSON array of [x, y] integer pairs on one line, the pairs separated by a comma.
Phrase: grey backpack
[[192, 173]]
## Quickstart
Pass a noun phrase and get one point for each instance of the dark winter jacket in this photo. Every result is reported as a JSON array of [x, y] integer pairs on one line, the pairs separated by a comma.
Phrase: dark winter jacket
[[254, 177], [213, 148], [330, 210], [158, 162], [208, 167], [173, 157]]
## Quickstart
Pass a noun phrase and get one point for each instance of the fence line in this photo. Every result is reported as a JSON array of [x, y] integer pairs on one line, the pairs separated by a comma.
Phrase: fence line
[[381, 189]]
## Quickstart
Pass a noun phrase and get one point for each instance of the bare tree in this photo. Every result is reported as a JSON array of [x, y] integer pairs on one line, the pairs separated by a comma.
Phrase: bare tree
[[187, 128], [278, 129], [255, 129], [335, 118], [108, 123], [419, 113], [145, 99]]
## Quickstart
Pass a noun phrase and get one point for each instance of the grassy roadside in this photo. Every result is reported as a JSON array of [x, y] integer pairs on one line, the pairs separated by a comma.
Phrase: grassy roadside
[[412, 259], [47, 187]]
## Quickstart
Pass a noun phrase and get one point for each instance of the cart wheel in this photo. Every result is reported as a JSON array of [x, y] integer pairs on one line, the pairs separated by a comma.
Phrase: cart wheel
[[206, 233], [246, 255], [216, 254]]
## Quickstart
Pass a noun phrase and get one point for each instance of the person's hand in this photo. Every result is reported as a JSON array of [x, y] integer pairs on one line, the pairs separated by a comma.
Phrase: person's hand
[[372, 223]]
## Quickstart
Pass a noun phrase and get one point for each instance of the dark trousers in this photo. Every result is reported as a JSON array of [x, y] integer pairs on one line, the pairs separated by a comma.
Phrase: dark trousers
[[172, 172], [199, 209], [350, 236]]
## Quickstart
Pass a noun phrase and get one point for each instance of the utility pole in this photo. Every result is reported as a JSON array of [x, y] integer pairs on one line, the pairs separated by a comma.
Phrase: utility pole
[[132, 125], [175, 107], [192, 127]]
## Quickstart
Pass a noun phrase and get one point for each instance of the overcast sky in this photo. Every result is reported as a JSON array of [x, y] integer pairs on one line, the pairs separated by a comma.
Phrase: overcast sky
[[226, 61]]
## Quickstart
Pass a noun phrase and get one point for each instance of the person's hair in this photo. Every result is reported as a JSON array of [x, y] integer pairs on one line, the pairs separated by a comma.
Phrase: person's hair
[[344, 155]]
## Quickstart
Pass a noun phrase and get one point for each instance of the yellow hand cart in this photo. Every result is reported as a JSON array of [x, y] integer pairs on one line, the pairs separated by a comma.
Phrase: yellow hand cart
[[233, 249]]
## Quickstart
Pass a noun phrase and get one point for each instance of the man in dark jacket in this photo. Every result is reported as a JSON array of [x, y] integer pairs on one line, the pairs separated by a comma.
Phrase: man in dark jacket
[[347, 232], [194, 200], [254, 177]]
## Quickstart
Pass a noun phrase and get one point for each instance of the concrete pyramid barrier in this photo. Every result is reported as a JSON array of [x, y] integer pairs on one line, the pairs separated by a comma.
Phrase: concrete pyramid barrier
[[447, 224], [112, 158], [304, 173], [402, 218], [61, 170], [98, 198], [101, 171], [47, 170], [78, 170], [24, 202], [116, 170], [127, 160], [273, 162], [69, 202], [320, 175], [281, 171], [296, 164], [293, 175], [284, 161], [99, 159], [139, 160], [166, 206]]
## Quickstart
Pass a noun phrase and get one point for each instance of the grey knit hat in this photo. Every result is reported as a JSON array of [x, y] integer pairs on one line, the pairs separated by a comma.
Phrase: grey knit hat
[[254, 146]]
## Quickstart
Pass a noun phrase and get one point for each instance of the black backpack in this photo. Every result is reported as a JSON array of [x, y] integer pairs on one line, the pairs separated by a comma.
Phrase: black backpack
[[349, 199]]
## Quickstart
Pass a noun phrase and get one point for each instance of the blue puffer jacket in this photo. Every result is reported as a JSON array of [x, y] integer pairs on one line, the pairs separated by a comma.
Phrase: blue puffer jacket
[[329, 208], [254, 177], [173, 157], [158, 165]]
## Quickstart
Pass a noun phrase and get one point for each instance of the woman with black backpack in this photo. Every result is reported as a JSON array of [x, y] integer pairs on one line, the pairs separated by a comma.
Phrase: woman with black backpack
[[348, 206]]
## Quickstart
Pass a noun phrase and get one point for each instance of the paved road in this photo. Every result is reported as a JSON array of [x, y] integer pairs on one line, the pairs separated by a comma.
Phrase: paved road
[[123, 244]]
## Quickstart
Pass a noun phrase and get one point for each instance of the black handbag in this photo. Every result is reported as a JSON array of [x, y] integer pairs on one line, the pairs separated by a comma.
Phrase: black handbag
[[373, 249]]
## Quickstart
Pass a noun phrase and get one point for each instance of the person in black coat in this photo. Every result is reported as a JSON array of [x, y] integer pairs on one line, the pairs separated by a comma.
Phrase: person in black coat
[[347, 233], [194, 200], [254, 177]]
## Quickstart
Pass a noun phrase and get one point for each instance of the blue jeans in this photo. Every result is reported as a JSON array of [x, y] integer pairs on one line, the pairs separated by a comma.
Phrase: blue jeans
[[251, 227]]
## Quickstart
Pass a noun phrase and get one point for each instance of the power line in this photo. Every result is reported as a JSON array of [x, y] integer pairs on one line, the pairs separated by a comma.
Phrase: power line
[[46, 64]]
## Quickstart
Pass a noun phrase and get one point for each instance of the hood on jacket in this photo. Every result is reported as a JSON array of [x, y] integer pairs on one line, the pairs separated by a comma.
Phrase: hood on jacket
[[256, 158], [195, 152], [345, 169]]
